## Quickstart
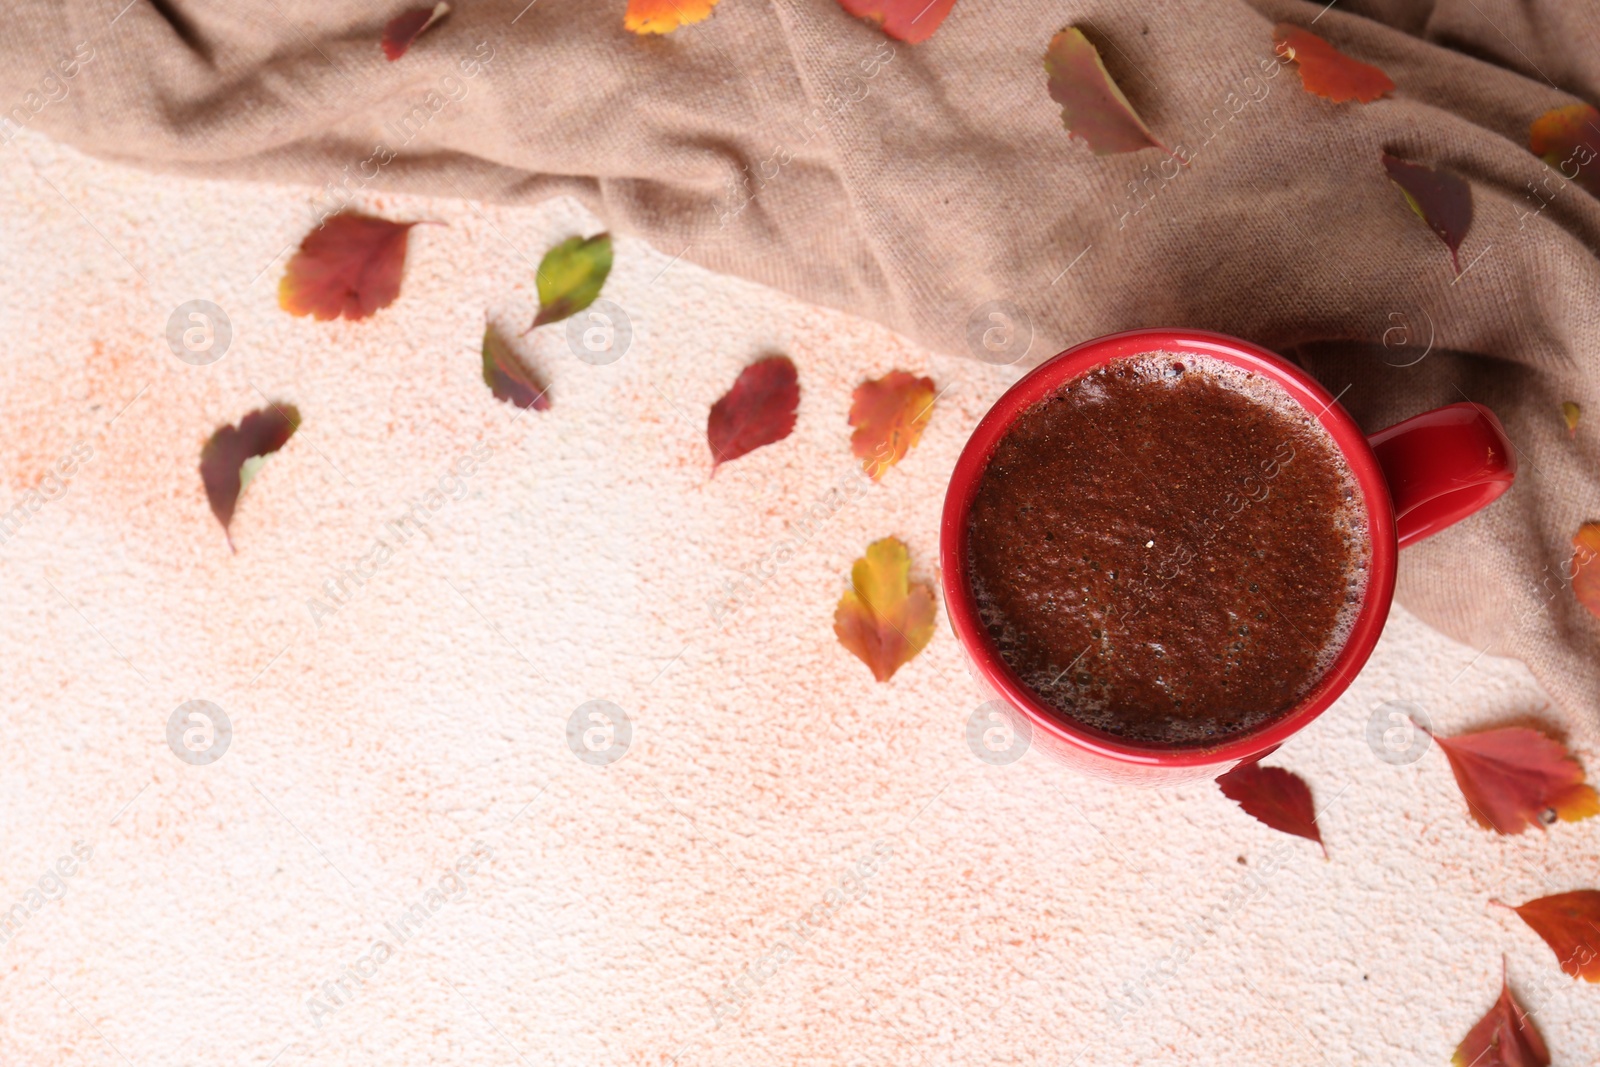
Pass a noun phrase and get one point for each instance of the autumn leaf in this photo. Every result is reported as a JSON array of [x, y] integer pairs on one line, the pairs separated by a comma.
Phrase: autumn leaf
[[1439, 198], [1277, 797], [1568, 139], [233, 455], [1514, 777], [350, 266], [1504, 1037], [1586, 566], [912, 21], [1570, 925], [664, 16], [508, 377], [1570, 414], [883, 618], [1092, 107], [405, 28], [758, 410], [1327, 72], [570, 277], [889, 414]]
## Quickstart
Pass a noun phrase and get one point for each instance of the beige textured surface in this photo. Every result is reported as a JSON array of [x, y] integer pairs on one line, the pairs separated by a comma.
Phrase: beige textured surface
[[654, 911]]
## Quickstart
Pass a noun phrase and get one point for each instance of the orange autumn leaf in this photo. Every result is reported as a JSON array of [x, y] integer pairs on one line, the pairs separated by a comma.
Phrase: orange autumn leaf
[[1516, 777], [889, 414], [1327, 72], [1568, 139], [1570, 925], [1504, 1037], [911, 21], [883, 618], [350, 266], [1586, 566], [664, 16]]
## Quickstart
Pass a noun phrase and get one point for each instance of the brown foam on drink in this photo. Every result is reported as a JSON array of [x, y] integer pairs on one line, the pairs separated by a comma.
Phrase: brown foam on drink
[[1238, 605]]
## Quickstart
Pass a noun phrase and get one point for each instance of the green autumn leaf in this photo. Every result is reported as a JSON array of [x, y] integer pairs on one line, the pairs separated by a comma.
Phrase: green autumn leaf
[[570, 277]]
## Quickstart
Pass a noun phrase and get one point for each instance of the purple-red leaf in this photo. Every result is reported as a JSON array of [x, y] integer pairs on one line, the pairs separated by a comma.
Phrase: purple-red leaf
[[1092, 107], [350, 265], [1441, 199], [1277, 797], [508, 377], [226, 465], [405, 28], [758, 410]]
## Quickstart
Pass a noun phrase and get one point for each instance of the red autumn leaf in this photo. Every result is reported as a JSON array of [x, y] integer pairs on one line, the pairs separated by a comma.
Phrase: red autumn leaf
[[226, 465], [1327, 72], [912, 21], [507, 377], [1092, 107], [1504, 1037], [350, 266], [405, 28], [1514, 777], [758, 410], [664, 16], [1568, 139], [1439, 198], [1277, 797], [883, 618], [1586, 566], [889, 414], [1570, 925]]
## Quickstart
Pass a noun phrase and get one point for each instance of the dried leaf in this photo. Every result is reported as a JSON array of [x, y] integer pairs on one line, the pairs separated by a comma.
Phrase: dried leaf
[[1570, 414], [1568, 139], [664, 16], [1441, 199], [1092, 107], [232, 456], [912, 21], [1327, 72], [1504, 1037], [1516, 777], [882, 617], [1277, 797], [1586, 566], [1570, 925], [508, 377], [350, 266], [405, 28], [570, 277], [758, 410], [889, 414]]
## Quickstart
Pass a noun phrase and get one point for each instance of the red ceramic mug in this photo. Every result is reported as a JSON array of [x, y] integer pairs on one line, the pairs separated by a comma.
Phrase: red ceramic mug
[[1416, 478]]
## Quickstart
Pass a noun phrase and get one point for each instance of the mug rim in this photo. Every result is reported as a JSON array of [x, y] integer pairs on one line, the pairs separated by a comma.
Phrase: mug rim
[[1046, 378]]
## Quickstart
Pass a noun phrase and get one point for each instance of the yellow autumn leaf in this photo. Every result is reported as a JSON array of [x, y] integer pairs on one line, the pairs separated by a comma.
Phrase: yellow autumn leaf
[[883, 618], [664, 16]]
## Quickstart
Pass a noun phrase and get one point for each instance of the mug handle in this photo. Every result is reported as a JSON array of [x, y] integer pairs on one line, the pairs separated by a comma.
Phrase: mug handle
[[1442, 466]]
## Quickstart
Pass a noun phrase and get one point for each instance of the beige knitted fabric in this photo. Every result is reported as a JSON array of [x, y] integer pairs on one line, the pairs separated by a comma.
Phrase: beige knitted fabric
[[932, 188]]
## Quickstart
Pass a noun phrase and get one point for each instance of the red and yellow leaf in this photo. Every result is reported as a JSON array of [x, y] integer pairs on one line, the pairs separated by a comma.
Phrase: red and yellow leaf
[[1568, 139], [350, 265], [889, 415], [758, 410], [1586, 566], [406, 27], [1516, 777], [230, 458], [1275, 796], [1092, 107], [508, 377], [1570, 414], [1504, 1037], [912, 21], [664, 16], [883, 618], [1327, 72], [1570, 925], [1441, 199]]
